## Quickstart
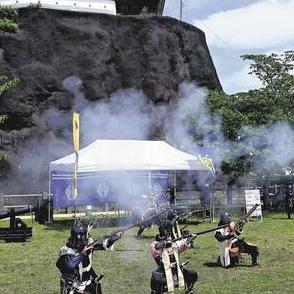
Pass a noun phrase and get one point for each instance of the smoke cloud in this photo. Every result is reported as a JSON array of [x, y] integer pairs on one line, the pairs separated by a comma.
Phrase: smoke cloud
[[128, 114], [271, 146], [192, 122]]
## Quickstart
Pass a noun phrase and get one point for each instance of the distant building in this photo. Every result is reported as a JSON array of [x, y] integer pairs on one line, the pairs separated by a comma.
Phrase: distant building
[[93, 6], [123, 7], [133, 7]]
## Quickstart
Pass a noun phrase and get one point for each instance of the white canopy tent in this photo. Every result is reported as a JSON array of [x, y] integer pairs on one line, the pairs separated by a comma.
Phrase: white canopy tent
[[104, 164], [126, 155]]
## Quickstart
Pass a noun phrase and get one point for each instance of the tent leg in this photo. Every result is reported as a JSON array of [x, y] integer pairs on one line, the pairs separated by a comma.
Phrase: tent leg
[[149, 180], [50, 217], [175, 186]]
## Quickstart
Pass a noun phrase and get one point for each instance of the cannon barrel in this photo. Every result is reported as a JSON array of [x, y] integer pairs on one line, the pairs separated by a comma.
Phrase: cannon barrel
[[17, 211], [18, 230], [41, 211]]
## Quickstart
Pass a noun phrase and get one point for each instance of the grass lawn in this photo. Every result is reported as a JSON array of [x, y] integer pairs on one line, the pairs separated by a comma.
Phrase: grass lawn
[[30, 267]]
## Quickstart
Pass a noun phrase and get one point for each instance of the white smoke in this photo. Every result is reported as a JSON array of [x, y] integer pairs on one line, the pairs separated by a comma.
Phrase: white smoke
[[192, 118], [73, 85], [128, 114], [272, 145]]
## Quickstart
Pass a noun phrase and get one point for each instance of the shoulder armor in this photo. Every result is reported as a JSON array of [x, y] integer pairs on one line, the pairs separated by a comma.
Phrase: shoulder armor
[[64, 250]]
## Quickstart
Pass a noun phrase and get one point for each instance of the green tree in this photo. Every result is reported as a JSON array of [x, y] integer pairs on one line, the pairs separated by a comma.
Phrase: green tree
[[8, 19], [273, 102], [276, 74], [8, 24]]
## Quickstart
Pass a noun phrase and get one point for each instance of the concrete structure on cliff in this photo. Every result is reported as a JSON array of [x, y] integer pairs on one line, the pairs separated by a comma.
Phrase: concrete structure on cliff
[[123, 7]]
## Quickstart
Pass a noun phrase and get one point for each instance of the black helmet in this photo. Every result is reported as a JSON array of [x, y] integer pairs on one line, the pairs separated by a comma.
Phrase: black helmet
[[186, 233], [159, 238], [78, 236], [225, 219], [78, 231]]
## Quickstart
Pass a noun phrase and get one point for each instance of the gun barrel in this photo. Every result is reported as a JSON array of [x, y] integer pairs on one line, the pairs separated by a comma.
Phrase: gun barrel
[[202, 232], [123, 229], [183, 228], [210, 230], [246, 216], [185, 263]]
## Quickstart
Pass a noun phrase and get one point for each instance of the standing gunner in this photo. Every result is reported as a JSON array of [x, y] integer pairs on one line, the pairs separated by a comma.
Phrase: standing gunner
[[75, 262]]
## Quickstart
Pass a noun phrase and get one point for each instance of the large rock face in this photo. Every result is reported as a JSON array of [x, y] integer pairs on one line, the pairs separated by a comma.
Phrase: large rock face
[[149, 53], [108, 53]]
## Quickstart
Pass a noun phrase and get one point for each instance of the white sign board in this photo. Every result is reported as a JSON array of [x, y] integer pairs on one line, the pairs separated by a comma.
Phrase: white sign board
[[251, 198]]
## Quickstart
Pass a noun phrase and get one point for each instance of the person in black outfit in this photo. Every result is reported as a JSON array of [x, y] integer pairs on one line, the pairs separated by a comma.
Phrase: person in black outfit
[[288, 203], [75, 262]]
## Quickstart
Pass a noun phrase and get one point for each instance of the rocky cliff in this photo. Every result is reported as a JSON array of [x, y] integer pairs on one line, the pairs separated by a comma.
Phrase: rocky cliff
[[108, 53]]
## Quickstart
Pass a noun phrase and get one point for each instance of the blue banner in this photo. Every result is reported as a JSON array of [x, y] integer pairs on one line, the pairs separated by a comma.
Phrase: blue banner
[[97, 189]]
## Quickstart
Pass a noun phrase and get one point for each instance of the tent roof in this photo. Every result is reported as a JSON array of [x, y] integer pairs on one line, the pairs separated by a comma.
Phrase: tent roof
[[127, 155]]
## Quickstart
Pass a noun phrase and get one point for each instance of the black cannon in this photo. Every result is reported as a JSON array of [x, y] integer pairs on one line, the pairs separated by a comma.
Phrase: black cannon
[[18, 231]]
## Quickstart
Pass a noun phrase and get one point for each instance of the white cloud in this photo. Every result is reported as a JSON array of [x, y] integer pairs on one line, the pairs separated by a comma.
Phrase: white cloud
[[233, 72], [174, 5], [263, 24], [240, 81]]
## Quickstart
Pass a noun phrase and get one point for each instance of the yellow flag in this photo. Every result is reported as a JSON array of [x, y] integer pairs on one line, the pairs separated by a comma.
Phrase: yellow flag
[[207, 161], [76, 131], [76, 145]]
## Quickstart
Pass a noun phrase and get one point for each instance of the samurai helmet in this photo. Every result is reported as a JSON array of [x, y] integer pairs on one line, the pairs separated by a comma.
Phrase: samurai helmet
[[78, 237], [186, 233], [225, 219]]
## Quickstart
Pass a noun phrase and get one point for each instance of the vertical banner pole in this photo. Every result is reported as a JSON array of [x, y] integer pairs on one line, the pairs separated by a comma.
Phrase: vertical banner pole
[[207, 161], [76, 145], [181, 10]]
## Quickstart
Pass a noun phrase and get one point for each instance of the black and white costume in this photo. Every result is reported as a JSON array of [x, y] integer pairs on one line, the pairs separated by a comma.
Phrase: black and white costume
[[75, 262], [170, 274], [230, 245]]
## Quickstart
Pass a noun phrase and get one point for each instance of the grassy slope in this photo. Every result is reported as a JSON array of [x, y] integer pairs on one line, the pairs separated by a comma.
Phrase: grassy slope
[[30, 267]]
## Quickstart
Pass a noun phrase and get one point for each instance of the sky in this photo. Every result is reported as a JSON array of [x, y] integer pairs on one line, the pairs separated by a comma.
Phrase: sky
[[237, 27]]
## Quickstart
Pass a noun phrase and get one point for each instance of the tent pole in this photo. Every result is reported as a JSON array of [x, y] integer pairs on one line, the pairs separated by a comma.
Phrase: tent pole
[[149, 180], [212, 202], [175, 185], [49, 197]]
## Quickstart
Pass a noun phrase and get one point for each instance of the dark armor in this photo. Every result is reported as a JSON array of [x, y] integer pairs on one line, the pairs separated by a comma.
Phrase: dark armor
[[225, 219], [75, 262], [158, 280], [230, 245]]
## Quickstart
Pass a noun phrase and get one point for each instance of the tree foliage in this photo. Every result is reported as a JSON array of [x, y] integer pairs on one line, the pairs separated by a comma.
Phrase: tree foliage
[[8, 19], [273, 102], [8, 24]]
